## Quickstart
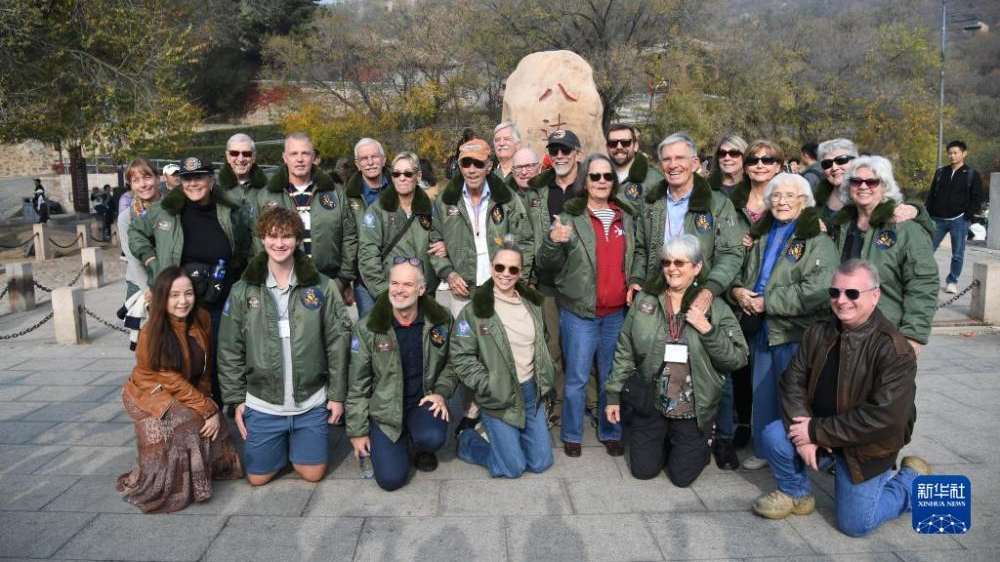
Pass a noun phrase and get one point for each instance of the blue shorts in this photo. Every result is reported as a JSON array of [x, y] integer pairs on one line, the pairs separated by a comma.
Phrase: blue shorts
[[272, 441]]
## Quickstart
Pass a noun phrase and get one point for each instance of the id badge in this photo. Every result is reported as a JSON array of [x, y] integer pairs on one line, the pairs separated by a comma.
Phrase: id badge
[[284, 329], [675, 353]]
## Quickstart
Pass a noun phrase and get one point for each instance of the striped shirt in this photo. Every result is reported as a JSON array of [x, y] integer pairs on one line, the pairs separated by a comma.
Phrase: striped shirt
[[605, 216], [302, 199]]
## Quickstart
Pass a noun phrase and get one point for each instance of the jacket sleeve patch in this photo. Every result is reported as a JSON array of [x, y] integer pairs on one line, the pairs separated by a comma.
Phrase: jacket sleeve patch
[[463, 330]]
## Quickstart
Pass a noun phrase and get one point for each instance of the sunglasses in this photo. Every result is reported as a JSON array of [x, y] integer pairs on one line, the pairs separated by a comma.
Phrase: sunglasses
[[408, 173], [676, 263], [732, 153], [624, 143], [500, 268], [840, 161], [870, 183], [607, 176], [851, 294], [243, 153], [469, 162], [557, 149], [415, 262], [765, 160]]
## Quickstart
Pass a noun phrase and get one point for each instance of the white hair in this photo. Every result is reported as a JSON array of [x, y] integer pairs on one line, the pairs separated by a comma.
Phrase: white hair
[[241, 137], [676, 138], [298, 137], [365, 141], [685, 246], [421, 279], [508, 125], [882, 169], [854, 264], [786, 178], [826, 147]]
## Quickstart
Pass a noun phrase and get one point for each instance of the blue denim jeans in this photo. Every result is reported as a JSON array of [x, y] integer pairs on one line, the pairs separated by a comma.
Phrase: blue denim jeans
[[510, 451], [959, 229], [860, 508], [363, 299], [391, 460], [725, 427], [769, 363], [582, 340]]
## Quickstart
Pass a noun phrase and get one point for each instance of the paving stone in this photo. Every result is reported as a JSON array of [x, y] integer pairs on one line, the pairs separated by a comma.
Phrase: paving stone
[[64, 378], [597, 496], [20, 432], [25, 459], [282, 497], [246, 539], [442, 539], [973, 555], [360, 498], [985, 531], [594, 463], [12, 377], [723, 535], [22, 492], [157, 538], [92, 494], [984, 377], [53, 393], [87, 433], [75, 412], [107, 364], [820, 531], [73, 363], [91, 461], [116, 378], [10, 411], [861, 557], [572, 538], [38, 535], [11, 392], [502, 496]]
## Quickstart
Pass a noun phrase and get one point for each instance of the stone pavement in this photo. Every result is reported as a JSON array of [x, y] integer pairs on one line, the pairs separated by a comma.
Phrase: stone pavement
[[64, 439]]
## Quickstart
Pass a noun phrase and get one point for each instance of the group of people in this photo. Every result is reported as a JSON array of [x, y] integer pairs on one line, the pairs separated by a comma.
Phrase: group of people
[[691, 305]]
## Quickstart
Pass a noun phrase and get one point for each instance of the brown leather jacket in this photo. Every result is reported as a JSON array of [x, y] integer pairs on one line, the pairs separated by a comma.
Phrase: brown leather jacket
[[155, 391], [876, 386]]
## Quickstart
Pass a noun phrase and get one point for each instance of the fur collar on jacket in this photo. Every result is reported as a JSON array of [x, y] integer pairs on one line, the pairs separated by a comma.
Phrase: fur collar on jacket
[[483, 300], [306, 273], [380, 317]]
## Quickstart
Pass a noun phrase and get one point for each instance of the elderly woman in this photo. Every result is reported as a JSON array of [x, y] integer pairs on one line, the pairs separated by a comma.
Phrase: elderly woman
[[498, 350], [145, 190], [670, 367], [728, 172], [781, 291], [183, 441], [868, 229], [835, 157], [397, 224], [588, 250]]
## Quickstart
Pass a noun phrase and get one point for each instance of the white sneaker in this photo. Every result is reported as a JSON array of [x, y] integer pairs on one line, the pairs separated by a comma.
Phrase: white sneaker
[[951, 288], [754, 463]]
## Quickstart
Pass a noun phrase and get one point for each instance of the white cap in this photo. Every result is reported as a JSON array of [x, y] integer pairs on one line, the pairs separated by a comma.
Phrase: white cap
[[171, 169]]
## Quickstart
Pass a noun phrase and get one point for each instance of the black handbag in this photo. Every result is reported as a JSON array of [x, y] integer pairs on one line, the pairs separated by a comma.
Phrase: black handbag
[[208, 289], [750, 324], [639, 395]]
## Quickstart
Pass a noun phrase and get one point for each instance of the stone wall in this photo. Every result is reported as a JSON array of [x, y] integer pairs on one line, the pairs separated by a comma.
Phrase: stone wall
[[30, 158]]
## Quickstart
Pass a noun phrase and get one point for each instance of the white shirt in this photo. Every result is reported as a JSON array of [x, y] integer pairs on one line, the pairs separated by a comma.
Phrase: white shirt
[[478, 215]]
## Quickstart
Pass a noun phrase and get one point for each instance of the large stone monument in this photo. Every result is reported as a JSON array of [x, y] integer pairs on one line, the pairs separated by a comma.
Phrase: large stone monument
[[553, 90]]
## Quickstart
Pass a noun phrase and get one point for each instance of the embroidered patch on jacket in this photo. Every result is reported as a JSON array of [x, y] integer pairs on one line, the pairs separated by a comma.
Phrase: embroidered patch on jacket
[[496, 214], [369, 220], [795, 251], [886, 239], [536, 203], [253, 302], [312, 298], [646, 307], [439, 335], [392, 220], [164, 224], [633, 191], [328, 200], [498, 241], [355, 343], [463, 328], [384, 346], [354, 205], [425, 221], [451, 211], [484, 329], [703, 222], [270, 204]]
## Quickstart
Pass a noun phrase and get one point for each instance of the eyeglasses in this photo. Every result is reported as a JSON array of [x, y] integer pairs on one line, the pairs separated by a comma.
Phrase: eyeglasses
[[408, 173], [607, 176], [500, 268], [840, 161], [851, 294], [469, 162], [732, 153], [676, 263], [557, 149], [415, 262], [778, 197], [525, 167], [243, 153], [870, 183], [765, 160], [624, 143]]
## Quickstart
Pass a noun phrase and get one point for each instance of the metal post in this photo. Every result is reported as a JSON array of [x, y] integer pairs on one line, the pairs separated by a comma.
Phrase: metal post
[[20, 286], [944, 33]]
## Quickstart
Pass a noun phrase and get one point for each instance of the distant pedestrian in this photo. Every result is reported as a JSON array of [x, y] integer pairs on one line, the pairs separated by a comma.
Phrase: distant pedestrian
[[953, 201], [40, 202]]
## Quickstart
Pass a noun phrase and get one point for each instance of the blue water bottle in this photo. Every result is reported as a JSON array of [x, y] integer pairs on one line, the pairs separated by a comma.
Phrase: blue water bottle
[[219, 271]]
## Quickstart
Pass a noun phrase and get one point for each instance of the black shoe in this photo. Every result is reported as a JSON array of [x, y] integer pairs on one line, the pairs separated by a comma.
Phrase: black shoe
[[742, 437], [425, 462], [466, 423], [725, 455]]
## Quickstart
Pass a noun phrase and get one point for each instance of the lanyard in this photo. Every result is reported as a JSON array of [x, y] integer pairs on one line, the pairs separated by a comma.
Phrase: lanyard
[[674, 322]]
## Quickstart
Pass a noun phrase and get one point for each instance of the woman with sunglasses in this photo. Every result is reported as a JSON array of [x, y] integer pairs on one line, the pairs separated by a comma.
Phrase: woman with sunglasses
[[781, 291], [182, 438], [589, 250], [834, 158], [728, 172], [867, 228], [498, 350], [670, 366], [397, 224]]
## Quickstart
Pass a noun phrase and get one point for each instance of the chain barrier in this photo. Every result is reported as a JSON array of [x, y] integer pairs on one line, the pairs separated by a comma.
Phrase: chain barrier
[[27, 330], [975, 282], [70, 284], [101, 240], [71, 244], [4, 293], [105, 322], [21, 245]]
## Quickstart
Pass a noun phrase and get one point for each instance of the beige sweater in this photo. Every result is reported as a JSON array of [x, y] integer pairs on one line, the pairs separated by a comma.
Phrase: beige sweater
[[520, 330]]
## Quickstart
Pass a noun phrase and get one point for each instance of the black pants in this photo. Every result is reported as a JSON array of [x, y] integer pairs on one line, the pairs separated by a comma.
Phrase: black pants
[[655, 442], [742, 394]]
